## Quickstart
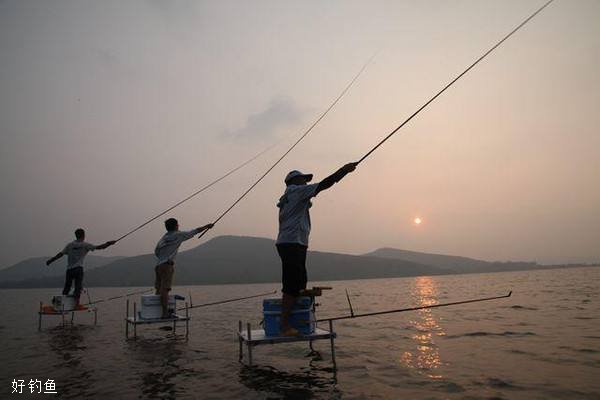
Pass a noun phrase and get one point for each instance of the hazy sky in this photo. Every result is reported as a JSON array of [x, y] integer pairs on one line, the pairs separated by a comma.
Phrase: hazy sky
[[111, 111]]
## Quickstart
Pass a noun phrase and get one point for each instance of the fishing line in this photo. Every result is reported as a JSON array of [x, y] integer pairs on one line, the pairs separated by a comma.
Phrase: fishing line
[[295, 143], [413, 308], [228, 300], [198, 191], [454, 80], [119, 297]]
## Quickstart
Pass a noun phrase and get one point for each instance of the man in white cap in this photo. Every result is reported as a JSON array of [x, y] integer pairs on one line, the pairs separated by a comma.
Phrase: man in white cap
[[294, 229]]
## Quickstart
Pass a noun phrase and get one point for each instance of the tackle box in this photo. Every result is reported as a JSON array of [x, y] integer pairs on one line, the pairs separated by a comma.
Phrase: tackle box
[[302, 317], [151, 307]]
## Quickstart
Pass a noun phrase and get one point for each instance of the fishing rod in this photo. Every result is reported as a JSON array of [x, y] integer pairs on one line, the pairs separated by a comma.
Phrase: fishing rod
[[310, 128], [202, 189], [454, 80], [413, 308], [119, 297], [228, 300], [349, 304], [209, 185]]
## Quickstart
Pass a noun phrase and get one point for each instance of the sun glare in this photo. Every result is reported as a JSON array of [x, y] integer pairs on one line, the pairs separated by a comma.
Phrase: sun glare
[[417, 221]]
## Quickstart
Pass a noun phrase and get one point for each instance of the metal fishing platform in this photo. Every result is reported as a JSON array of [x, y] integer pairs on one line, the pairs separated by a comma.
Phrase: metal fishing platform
[[135, 320], [48, 310], [255, 337]]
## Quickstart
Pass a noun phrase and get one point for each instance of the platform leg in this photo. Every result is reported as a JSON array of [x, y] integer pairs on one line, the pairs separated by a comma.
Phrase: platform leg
[[134, 321], [332, 345], [95, 316], [241, 349], [127, 319], [72, 317], [40, 318], [62, 315], [249, 344], [187, 320]]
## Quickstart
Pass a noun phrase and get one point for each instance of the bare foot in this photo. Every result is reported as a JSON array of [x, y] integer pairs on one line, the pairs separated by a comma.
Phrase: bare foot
[[290, 332]]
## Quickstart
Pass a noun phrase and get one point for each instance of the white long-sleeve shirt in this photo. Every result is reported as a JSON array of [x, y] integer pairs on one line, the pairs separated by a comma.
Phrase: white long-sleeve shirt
[[76, 252], [294, 217], [167, 246]]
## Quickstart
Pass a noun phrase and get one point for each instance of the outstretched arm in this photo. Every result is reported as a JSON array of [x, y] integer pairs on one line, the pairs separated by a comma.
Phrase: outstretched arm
[[56, 257], [205, 227], [336, 177], [105, 245], [190, 234]]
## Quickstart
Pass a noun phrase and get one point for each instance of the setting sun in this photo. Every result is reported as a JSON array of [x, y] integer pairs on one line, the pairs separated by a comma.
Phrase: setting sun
[[417, 221]]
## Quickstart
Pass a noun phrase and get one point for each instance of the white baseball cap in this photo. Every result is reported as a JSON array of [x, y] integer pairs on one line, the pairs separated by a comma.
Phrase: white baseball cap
[[295, 173]]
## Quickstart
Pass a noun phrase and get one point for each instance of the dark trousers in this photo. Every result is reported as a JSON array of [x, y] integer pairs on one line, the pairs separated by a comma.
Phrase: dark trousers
[[74, 274], [293, 265]]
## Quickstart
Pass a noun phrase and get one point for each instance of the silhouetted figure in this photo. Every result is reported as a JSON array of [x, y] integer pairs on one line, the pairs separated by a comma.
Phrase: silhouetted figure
[[76, 252], [294, 229], [165, 251]]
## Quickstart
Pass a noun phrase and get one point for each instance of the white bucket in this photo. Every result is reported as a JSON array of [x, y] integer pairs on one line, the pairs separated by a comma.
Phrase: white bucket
[[63, 303], [151, 307]]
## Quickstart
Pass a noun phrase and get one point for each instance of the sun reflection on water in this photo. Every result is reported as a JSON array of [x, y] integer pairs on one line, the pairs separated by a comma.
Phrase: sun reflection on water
[[425, 357]]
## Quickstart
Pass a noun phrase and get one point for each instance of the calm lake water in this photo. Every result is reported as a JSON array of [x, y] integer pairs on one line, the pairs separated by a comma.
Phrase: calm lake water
[[542, 343]]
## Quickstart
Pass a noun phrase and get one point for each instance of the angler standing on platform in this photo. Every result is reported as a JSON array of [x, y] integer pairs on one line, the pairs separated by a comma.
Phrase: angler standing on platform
[[165, 251], [294, 229], [76, 252]]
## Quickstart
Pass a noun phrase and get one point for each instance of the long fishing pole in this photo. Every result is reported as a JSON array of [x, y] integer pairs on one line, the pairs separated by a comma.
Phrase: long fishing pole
[[120, 297], [454, 80], [413, 308], [202, 189], [209, 185], [228, 300], [310, 128]]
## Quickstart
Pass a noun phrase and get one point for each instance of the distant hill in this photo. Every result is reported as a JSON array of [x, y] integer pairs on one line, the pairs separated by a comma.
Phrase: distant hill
[[451, 264], [234, 259], [237, 259], [35, 268]]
